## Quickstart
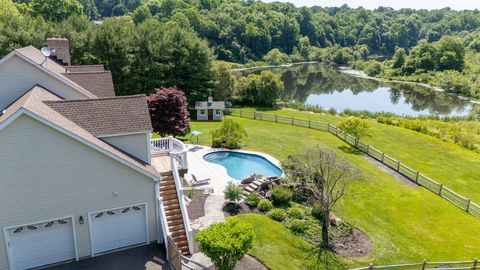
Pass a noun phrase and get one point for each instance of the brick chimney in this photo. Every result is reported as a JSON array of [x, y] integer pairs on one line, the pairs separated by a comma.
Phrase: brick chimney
[[62, 50]]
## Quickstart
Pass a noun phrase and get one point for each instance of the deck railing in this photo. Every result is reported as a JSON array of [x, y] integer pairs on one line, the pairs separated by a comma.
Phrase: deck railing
[[413, 175], [169, 145]]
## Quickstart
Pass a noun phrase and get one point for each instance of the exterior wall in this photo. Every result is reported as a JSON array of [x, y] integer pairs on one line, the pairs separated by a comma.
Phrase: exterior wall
[[218, 117], [18, 76], [202, 117], [135, 144], [46, 175]]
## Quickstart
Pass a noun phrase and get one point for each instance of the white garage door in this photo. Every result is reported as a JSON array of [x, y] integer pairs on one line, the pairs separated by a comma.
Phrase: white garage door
[[118, 228], [41, 244]]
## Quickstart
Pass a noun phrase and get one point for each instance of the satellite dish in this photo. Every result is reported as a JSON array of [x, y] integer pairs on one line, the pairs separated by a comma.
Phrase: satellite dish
[[46, 51]]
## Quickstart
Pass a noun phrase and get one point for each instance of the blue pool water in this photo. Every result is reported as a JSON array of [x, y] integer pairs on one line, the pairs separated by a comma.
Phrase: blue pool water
[[241, 165]]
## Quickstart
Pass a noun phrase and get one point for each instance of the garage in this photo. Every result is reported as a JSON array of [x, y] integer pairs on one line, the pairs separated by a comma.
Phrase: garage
[[118, 228], [41, 243]]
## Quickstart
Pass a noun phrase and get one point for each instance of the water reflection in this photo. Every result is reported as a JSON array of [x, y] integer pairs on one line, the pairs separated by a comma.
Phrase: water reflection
[[325, 86]]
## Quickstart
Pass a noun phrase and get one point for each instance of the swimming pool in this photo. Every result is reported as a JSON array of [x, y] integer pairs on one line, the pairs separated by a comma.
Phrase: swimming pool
[[240, 165]]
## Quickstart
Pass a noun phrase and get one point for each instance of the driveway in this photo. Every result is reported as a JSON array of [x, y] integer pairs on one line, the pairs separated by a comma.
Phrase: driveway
[[151, 257]]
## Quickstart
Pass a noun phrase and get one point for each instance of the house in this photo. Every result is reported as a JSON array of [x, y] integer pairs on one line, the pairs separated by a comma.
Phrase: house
[[210, 110], [80, 176]]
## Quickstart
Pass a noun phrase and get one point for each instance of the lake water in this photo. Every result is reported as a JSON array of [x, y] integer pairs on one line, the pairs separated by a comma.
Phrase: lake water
[[325, 86]]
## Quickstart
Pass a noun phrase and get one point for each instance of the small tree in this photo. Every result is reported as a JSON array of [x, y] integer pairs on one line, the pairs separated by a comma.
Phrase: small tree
[[169, 112], [226, 243], [327, 177], [356, 127], [228, 135], [276, 57], [233, 192]]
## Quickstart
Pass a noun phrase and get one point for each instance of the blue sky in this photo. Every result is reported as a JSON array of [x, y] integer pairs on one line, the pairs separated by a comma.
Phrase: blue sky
[[397, 4]]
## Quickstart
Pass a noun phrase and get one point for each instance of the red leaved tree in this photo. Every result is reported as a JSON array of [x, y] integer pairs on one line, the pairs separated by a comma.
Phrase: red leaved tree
[[169, 112]]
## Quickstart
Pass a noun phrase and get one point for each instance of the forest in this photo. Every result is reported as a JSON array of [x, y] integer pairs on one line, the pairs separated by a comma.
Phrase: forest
[[152, 43]]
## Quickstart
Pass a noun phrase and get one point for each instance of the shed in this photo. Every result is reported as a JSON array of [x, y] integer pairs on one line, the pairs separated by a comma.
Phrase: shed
[[210, 110]]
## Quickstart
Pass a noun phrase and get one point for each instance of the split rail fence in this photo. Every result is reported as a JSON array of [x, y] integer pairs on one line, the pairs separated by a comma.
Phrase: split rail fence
[[460, 265], [413, 175]]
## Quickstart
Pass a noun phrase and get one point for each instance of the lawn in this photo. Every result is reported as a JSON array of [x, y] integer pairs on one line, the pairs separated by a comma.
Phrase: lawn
[[447, 163], [406, 223]]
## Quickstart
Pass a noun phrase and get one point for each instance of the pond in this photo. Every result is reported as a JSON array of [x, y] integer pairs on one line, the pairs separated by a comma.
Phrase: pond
[[325, 86]]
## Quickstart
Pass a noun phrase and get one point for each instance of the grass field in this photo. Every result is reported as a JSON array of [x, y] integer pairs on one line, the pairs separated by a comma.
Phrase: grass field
[[447, 163], [406, 223]]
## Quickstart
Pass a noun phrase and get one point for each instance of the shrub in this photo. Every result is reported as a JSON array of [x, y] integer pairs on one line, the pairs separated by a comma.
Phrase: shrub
[[233, 192], [225, 243], [253, 199], [228, 135], [296, 212], [317, 211], [264, 205], [297, 225], [277, 214], [281, 196]]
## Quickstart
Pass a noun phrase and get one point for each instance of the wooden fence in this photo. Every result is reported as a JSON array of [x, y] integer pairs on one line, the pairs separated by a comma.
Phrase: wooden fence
[[413, 175], [460, 265]]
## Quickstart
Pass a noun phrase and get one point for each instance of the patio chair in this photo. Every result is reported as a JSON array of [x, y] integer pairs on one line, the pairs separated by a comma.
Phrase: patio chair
[[195, 182]]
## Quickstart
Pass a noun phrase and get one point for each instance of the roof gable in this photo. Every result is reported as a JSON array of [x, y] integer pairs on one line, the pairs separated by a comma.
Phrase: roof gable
[[33, 105]]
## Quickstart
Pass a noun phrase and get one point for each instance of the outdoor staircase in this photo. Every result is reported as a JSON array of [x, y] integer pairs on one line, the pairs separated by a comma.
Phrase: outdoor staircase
[[171, 206], [251, 187]]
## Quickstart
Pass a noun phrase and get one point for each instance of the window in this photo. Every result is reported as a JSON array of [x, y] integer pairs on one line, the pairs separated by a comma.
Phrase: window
[[218, 112], [202, 112]]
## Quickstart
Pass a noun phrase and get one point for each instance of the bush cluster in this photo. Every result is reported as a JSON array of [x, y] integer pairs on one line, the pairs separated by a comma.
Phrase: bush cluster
[[297, 225], [277, 214], [281, 196], [264, 205], [253, 199], [296, 213]]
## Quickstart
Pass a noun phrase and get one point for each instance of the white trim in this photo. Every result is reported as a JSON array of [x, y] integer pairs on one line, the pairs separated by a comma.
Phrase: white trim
[[202, 113], [76, 137], [219, 112], [60, 77], [90, 232], [124, 134], [7, 238], [149, 148]]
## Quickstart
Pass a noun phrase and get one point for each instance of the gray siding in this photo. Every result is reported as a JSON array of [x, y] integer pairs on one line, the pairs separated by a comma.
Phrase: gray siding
[[135, 144], [18, 76], [46, 175], [202, 117]]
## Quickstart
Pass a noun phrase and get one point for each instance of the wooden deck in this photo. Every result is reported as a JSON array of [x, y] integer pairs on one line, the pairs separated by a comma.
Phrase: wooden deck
[[162, 164]]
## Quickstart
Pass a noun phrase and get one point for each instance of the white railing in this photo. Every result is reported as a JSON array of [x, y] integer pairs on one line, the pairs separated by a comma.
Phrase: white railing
[[181, 200], [170, 146]]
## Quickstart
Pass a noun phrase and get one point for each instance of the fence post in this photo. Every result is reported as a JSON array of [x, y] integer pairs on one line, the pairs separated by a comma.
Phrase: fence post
[[292, 120], [398, 166], [276, 116], [468, 206], [308, 123], [424, 264], [254, 115], [241, 115], [440, 191], [475, 261], [416, 177], [383, 156], [368, 148]]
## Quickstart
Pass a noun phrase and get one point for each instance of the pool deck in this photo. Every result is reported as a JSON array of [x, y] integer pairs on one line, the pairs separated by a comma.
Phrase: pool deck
[[217, 173]]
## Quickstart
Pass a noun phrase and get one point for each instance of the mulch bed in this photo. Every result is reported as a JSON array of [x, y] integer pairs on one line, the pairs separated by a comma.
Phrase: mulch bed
[[230, 209], [355, 245], [196, 208]]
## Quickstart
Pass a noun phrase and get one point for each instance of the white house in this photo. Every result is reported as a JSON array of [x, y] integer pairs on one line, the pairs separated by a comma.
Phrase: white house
[[79, 176]]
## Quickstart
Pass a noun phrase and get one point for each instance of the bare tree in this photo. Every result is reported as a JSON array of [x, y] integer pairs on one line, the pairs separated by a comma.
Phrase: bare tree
[[326, 176]]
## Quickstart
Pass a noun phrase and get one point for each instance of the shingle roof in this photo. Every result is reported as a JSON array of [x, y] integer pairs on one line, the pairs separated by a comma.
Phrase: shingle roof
[[37, 56], [107, 116], [214, 105], [35, 101], [85, 68], [61, 51], [98, 83]]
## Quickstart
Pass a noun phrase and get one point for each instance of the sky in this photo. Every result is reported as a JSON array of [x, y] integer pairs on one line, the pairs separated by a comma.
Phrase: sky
[[396, 4]]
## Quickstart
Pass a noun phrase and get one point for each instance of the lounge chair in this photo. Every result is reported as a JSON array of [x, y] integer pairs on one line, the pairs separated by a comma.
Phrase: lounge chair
[[195, 182]]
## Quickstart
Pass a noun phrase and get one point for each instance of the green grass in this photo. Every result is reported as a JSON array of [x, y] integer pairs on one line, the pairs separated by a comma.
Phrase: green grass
[[445, 162], [276, 246], [406, 223]]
